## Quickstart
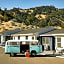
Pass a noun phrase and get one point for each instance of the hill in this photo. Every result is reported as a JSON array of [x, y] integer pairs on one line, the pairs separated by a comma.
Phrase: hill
[[43, 16], [12, 25]]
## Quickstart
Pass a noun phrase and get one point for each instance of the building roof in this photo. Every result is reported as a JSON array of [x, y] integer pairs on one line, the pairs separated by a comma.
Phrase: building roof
[[9, 32], [37, 31], [54, 32], [58, 31]]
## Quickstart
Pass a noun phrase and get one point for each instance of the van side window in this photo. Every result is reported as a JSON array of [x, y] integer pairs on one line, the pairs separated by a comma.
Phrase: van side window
[[27, 43], [59, 42], [12, 43]]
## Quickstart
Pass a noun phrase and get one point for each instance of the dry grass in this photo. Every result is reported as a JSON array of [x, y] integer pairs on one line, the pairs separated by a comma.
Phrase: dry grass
[[1, 15], [8, 26], [40, 16], [58, 27], [23, 10]]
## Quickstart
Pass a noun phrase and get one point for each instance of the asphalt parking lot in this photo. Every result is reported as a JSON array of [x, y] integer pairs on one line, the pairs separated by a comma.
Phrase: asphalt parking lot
[[21, 59]]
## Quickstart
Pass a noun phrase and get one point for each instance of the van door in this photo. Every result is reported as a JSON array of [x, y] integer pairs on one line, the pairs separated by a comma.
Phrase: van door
[[13, 47], [7, 49], [35, 47], [24, 47]]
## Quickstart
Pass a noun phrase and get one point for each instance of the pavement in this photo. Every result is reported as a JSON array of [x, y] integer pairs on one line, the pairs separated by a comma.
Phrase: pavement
[[21, 59]]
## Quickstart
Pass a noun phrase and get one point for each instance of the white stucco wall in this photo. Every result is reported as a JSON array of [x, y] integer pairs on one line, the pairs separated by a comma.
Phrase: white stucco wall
[[2, 39], [23, 37], [62, 42], [62, 45]]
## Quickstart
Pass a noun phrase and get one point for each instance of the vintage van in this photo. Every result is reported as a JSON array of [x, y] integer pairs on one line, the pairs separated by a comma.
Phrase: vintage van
[[14, 47]]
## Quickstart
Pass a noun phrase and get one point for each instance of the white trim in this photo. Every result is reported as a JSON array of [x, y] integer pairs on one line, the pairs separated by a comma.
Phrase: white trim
[[22, 40], [22, 34], [55, 43], [46, 35], [13, 45], [51, 34], [58, 34]]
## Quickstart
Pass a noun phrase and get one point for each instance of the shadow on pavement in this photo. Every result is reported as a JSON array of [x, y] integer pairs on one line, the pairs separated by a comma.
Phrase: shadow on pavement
[[45, 56], [37, 56], [20, 56]]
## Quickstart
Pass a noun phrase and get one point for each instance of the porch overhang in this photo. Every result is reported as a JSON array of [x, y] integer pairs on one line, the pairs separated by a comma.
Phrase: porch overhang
[[47, 35]]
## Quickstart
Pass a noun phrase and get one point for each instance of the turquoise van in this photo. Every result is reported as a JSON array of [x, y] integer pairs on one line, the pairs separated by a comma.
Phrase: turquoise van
[[14, 47]]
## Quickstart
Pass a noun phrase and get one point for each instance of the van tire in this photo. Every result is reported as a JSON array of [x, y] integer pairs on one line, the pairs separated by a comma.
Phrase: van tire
[[33, 53], [12, 54]]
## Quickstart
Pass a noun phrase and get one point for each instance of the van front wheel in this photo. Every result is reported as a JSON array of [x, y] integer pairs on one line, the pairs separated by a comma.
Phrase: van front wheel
[[12, 54]]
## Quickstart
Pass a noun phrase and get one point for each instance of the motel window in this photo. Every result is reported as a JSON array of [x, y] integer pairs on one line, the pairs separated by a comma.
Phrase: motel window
[[32, 37], [26, 37], [18, 37], [59, 42], [14, 37]]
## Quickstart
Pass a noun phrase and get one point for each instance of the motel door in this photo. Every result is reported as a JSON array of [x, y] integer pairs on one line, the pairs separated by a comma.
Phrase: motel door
[[48, 43]]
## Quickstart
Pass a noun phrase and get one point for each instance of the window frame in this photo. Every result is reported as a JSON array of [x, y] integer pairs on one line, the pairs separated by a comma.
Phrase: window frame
[[26, 37], [18, 37], [58, 42], [32, 37], [14, 37]]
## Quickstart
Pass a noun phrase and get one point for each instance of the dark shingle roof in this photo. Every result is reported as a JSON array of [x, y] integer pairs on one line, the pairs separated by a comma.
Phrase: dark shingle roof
[[10, 32], [58, 31], [38, 31]]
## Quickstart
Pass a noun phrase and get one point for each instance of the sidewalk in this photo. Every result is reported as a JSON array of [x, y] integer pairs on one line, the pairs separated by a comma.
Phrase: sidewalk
[[2, 46], [62, 56]]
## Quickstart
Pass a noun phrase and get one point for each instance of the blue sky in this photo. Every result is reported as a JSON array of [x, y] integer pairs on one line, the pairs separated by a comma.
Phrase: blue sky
[[24, 4]]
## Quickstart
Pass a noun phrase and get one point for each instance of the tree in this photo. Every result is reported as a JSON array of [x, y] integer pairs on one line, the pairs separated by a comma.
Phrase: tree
[[5, 17], [30, 20], [5, 9]]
